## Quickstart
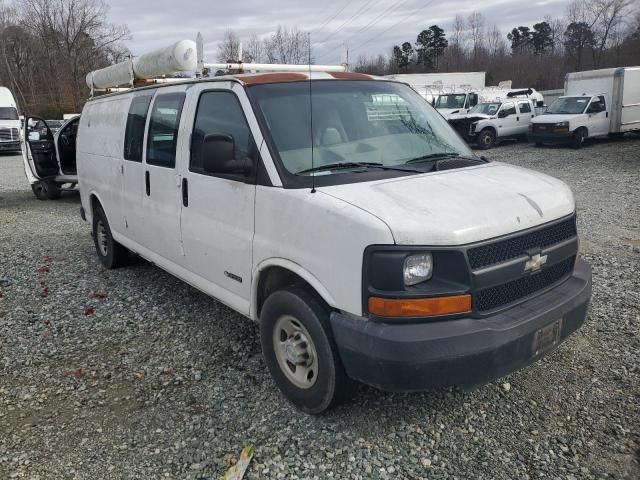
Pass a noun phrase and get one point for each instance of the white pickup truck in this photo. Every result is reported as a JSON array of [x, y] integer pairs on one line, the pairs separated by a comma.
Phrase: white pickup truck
[[489, 123], [595, 103]]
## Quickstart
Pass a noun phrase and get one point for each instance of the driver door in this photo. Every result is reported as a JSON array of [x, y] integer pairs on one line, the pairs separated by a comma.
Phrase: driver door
[[598, 117], [508, 124], [39, 149]]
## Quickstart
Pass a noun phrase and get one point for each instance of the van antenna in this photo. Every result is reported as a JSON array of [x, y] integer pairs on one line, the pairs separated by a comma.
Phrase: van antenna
[[313, 175]]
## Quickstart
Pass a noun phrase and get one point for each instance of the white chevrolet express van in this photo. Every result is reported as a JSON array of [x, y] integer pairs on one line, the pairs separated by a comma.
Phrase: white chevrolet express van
[[353, 223]]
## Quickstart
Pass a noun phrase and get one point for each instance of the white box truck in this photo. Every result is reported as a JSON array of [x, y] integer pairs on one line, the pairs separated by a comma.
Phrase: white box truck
[[595, 103], [431, 85], [9, 122]]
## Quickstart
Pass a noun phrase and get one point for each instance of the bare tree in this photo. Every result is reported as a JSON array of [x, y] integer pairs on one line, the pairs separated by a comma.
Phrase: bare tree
[[229, 48], [288, 46], [475, 23], [253, 50]]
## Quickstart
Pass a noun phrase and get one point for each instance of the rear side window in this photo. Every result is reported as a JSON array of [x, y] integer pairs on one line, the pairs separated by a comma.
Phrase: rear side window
[[163, 129], [134, 133], [524, 107], [220, 113]]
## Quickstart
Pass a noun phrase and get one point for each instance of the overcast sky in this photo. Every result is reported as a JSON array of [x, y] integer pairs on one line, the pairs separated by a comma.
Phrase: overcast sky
[[367, 26]]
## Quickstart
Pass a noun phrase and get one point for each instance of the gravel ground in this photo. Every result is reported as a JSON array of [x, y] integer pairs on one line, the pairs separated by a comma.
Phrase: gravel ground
[[133, 374]]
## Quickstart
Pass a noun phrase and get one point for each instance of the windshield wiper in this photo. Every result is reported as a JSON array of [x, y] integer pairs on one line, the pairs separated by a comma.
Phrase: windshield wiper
[[432, 156], [343, 165]]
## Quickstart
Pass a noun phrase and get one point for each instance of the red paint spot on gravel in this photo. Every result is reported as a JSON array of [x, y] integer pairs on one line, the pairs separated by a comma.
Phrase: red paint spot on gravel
[[45, 292], [78, 372], [88, 311]]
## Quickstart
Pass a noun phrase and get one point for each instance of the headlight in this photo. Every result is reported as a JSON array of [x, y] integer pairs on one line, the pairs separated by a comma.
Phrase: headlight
[[417, 268], [562, 124]]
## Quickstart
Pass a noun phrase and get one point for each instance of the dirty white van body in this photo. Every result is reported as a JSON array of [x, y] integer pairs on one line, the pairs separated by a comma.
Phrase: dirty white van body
[[50, 158], [352, 223], [595, 103], [9, 122]]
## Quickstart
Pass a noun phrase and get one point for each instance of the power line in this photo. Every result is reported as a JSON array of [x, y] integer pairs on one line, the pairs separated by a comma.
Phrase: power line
[[377, 19], [331, 18], [417, 10], [357, 13]]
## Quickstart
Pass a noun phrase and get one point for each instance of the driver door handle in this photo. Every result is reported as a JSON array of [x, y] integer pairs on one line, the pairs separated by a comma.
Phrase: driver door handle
[[147, 183], [185, 192]]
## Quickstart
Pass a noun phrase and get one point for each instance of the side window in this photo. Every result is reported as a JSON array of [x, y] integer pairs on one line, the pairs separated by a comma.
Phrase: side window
[[604, 105], [509, 108], [134, 132], [220, 113], [162, 137], [473, 100], [524, 107]]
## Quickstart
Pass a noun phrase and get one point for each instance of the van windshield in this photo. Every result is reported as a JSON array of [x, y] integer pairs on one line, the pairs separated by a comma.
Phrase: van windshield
[[8, 113], [384, 124], [570, 105], [451, 101], [486, 108]]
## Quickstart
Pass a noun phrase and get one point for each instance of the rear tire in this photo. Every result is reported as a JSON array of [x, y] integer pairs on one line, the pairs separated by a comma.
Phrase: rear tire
[[46, 190], [110, 252], [579, 136], [486, 139], [300, 352]]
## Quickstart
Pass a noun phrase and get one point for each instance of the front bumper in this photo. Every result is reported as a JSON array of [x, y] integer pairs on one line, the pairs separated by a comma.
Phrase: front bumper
[[463, 351], [550, 137], [10, 147]]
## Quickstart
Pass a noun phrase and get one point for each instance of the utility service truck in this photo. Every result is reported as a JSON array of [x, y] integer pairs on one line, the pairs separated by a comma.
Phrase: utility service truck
[[595, 103], [10, 129], [490, 122], [345, 215]]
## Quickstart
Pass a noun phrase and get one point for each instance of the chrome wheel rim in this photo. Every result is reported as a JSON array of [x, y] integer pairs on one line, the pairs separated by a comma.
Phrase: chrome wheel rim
[[487, 139], [295, 352], [101, 237]]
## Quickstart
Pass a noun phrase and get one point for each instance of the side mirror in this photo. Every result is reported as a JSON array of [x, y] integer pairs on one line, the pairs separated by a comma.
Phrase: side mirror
[[218, 156], [502, 114]]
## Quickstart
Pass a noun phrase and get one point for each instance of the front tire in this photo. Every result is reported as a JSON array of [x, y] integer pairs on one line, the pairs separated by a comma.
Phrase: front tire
[[579, 137], [300, 352], [486, 139], [110, 252], [46, 190]]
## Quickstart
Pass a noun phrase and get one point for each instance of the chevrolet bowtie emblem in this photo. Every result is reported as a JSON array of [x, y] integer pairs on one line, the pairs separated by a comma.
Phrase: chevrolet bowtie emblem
[[535, 263]]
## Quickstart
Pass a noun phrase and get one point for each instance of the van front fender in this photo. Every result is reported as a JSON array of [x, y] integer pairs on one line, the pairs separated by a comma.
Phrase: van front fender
[[293, 267]]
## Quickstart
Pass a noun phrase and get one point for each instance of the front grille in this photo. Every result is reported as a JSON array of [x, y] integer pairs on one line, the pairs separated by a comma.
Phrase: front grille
[[513, 247], [494, 297], [9, 134], [543, 127]]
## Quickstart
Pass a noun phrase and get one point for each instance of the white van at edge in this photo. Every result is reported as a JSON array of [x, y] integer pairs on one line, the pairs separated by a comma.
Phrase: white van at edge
[[9, 122], [370, 243]]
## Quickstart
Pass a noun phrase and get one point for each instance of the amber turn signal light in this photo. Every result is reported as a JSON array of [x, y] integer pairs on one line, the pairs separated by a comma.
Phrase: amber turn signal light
[[419, 307]]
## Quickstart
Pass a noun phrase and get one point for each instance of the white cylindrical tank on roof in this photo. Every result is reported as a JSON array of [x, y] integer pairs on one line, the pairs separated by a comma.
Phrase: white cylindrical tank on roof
[[179, 57]]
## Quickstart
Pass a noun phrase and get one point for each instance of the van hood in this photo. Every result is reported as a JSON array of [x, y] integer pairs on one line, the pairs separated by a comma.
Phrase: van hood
[[555, 117], [10, 123], [456, 207]]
